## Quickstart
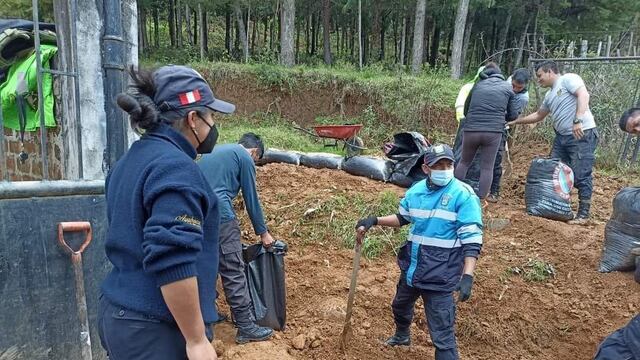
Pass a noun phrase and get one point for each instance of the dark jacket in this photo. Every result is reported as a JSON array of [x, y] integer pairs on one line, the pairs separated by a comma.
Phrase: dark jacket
[[163, 225], [489, 101]]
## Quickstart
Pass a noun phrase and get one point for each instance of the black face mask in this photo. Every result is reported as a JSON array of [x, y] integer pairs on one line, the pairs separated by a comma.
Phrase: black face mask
[[206, 146]]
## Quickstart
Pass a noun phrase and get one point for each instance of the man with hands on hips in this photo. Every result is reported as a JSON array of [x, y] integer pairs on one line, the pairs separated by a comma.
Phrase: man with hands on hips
[[440, 254]]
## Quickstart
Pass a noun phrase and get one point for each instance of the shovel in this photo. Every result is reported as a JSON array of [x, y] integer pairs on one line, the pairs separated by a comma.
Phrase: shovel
[[76, 261], [346, 330]]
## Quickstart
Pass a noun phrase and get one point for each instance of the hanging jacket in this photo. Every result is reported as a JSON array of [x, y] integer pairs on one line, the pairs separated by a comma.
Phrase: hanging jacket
[[9, 87]]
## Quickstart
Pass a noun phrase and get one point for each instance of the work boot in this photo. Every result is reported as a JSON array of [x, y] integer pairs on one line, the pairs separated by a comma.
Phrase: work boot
[[582, 217], [252, 332], [493, 198], [399, 339]]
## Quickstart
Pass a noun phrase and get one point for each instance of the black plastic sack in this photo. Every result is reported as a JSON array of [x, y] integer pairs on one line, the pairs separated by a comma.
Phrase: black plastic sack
[[280, 156], [265, 277], [373, 168], [406, 145], [321, 160], [415, 175], [548, 189], [622, 232]]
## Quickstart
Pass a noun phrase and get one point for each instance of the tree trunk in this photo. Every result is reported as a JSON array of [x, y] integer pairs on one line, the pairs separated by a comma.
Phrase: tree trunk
[[447, 52], [254, 35], [326, 31], [196, 15], [521, 44], [266, 31], [156, 30], [535, 34], [360, 52], [227, 31], [142, 30], [202, 14], [435, 45], [403, 40], [458, 39], [298, 41], [279, 27], [187, 18], [179, 36], [272, 23], [418, 36], [236, 37], [242, 34], [503, 37], [467, 38], [382, 35], [375, 31], [314, 34], [172, 23], [288, 24]]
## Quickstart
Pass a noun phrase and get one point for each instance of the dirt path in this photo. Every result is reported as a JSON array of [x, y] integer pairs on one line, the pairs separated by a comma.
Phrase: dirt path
[[506, 318]]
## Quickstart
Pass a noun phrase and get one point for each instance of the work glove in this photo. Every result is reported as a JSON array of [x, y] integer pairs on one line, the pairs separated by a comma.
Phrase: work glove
[[367, 223], [464, 287]]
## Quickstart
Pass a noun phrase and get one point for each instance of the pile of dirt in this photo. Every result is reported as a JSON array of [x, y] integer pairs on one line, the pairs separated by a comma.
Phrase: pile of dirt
[[506, 317]]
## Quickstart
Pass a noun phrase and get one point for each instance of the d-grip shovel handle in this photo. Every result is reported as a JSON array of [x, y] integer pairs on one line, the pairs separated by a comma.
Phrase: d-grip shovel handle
[[75, 226]]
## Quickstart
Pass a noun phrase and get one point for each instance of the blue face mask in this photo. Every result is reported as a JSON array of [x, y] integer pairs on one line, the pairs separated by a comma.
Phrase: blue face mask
[[441, 177]]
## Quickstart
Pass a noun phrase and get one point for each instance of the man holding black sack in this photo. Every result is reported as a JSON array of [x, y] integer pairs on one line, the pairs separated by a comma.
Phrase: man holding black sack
[[228, 169]]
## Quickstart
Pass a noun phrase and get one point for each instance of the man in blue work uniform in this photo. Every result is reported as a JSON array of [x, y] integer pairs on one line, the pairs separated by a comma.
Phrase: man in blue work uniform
[[576, 134], [623, 343], [230, 168], [440, 254]]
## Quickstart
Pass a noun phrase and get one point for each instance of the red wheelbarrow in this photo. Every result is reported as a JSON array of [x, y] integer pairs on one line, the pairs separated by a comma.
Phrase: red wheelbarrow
[[353, 145]]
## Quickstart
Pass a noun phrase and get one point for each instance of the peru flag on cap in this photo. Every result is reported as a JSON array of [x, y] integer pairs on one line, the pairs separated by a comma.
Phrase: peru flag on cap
[[189, 97]]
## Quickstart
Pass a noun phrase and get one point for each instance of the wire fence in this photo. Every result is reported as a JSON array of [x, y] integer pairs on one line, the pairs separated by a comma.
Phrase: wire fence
[[614, 86]]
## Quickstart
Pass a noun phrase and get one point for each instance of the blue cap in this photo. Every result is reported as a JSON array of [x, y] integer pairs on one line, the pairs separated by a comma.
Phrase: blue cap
[[437, 153], [180, 87]]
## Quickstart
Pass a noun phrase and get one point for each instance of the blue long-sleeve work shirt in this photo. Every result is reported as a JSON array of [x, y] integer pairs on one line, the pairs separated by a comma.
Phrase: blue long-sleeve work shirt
[[229, 168]]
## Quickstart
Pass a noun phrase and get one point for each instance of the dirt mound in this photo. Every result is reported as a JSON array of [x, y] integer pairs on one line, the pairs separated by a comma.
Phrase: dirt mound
[[506, 317]]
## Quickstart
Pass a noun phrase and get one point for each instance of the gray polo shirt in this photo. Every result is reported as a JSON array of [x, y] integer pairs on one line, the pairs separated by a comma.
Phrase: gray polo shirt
[[562, 103]]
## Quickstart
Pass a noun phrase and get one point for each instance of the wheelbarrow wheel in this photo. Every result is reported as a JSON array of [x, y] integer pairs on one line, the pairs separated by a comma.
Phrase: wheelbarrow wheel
[[354, 146]]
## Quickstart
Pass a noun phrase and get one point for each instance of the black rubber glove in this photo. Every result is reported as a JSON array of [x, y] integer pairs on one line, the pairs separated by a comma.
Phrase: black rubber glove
[[367, 223], [464, 287]]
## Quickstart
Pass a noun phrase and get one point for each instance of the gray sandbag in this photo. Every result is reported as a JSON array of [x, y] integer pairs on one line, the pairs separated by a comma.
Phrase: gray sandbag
[[548, 189], [371, 167], [280, 156], [622, 233], [321, 160]]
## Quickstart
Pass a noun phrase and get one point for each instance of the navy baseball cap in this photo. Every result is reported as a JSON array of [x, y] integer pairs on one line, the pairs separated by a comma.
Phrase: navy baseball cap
[[180, 87], [437, 153]]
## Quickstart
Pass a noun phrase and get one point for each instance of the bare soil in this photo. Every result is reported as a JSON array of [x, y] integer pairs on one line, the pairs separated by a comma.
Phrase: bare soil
[[506, 317]]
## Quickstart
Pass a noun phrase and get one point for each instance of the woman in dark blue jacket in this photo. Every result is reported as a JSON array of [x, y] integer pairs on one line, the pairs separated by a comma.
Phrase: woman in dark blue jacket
[[158, 300]]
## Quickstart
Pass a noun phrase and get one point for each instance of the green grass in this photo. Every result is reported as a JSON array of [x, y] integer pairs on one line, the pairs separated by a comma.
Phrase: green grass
[[340, 215], [275, 132], [402, 96], [535, 270]]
